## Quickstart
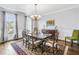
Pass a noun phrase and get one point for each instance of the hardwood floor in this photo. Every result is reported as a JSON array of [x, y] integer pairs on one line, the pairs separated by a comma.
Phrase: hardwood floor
[[74, 50], [7, 49]]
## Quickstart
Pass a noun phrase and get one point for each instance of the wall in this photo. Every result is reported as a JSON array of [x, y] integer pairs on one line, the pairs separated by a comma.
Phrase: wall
[[65, 20]]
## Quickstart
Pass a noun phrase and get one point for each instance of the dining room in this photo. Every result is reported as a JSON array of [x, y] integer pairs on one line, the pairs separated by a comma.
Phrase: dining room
[[39, 29]]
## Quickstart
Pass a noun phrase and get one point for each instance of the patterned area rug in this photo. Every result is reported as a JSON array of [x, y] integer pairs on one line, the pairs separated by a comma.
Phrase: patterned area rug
[[71, 51], [22, 50], [18, 49]]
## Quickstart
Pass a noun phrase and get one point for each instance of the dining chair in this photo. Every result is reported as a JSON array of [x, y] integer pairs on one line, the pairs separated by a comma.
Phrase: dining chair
[[55, 48], [25, 38], [34, 42], [74, 37]]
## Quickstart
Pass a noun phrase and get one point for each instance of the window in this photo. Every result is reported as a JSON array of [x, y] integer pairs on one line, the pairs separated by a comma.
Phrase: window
[[10, 26], [29, 24]]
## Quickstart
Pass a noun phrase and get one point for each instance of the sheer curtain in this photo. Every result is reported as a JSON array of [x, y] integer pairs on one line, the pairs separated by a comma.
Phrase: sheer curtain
[[20, 22], [1, 23]]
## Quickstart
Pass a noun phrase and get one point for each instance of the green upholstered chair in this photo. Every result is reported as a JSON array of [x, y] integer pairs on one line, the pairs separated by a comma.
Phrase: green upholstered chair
[[74, 37]]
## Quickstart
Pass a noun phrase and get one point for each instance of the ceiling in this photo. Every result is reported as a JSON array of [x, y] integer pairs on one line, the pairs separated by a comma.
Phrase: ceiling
[[42, 8]]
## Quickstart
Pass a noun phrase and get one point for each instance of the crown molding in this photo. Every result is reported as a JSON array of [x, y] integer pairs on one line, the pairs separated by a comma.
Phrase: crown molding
[[11, 11], [60, 10]]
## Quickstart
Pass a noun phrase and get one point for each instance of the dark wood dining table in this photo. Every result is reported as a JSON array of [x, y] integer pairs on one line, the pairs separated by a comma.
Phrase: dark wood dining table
[[42, 37], [39, 36]]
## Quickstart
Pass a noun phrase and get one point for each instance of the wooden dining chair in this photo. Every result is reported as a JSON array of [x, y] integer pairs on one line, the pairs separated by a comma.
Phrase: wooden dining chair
[[33, 42], [55, 48], [25, 38]]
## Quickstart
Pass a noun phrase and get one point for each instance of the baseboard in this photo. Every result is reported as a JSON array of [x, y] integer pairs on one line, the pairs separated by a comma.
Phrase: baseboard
[[11, 40], [68, 41]]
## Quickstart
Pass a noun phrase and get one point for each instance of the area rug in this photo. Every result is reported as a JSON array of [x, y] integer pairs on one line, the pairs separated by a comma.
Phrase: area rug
[[18, 50], [22, 50]]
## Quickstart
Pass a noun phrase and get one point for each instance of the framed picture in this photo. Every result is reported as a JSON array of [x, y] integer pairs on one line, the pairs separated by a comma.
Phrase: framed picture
[[50, 22]]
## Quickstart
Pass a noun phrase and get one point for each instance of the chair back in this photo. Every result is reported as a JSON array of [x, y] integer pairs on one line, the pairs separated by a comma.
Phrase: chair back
[[75, 33]]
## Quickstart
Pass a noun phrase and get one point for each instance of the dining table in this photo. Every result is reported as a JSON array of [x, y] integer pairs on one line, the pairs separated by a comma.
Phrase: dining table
[[41, 36]]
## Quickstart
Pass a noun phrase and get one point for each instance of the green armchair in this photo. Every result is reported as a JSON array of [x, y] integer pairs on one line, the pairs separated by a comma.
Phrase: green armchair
[[74, 37]]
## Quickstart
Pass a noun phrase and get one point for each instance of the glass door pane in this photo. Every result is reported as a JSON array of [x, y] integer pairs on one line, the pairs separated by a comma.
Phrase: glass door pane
[[10, 26]]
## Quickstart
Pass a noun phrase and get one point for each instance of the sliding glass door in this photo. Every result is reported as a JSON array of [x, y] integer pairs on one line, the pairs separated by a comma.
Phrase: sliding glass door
[[10, 26]]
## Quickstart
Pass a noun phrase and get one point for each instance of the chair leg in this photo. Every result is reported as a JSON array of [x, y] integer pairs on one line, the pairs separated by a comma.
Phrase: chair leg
[[23, 41], [26, 44], [71, 43], [65, 41]]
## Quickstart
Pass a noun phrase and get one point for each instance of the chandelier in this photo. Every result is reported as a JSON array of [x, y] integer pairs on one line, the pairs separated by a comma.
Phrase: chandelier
[[36, 16]]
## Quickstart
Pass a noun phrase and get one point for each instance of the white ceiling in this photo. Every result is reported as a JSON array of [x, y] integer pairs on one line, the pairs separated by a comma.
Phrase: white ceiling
[[42, 8]]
